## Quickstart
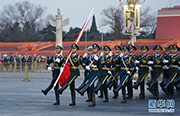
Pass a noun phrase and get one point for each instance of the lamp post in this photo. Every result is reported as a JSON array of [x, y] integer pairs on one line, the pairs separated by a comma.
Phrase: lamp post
[[132, 18]]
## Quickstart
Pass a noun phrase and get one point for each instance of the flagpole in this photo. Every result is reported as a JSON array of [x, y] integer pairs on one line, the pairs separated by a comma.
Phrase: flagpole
[[86, 41], [76, 42]]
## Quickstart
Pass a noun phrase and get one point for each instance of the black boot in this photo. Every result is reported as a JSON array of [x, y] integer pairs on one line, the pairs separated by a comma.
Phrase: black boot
[[101, 94], [115, 95], [124, 97], [106, 95], [57, 99], [80, 87], [83, 90], [73, 97], [93, 100], [89, 96], [62, 88], [47, 89]]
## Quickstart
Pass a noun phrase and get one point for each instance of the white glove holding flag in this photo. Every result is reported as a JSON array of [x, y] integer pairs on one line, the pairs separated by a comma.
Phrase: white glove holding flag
[[85, 55], [165, 61], [109, 72], [150, 68], [57, 60], [121, 55], [49, 69], [61, 69], [136, 62], [128, 72], [166, 67], [96, 57], [150, 62], [101, 54], [87, 67], [137, 68]]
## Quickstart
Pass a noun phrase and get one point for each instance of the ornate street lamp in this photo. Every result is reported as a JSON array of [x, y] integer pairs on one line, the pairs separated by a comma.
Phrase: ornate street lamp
[[132, 18]]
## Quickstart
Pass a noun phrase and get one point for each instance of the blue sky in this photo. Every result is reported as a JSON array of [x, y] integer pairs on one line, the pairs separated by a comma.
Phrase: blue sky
[[78, 10]]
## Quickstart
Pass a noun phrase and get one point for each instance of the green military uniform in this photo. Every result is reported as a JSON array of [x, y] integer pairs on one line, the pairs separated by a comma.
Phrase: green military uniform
[[142, 71], [156, 72], [113, 81], [104, 75], [173, 71], [56, 72], [75, 60], [129, 83]]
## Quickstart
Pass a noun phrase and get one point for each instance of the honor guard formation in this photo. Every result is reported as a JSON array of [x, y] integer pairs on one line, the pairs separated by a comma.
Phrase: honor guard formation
[[104, 72]]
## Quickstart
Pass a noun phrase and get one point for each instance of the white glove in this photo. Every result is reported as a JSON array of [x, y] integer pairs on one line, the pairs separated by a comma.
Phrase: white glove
[[150, 62], [57, 60], [101, 54], [163, 67], [166, 67], [49, 69], [179, 68], [93, 66], [85, 55], [96, 57], [150, 68], [137, 68], [128, 72], [136, 61], [109, 72], [121, 55], [61, 69], [88, 67], [165, 61]]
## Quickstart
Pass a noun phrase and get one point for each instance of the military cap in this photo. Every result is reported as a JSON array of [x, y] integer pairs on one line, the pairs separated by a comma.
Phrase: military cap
[[144, 48], [167, 48], [96, 46], [59, 46], [170, 47], [90, 48], [75, 46], [132, 47], [125, 48], [157, 47], [102, 47], [116, 47], [107, 48], [175, 47]]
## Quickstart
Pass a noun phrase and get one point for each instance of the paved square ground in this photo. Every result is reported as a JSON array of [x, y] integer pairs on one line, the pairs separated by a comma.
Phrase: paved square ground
[[18, 98]]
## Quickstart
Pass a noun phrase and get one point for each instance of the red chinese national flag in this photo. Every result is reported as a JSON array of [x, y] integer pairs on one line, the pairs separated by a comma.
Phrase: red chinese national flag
[[65, 74]]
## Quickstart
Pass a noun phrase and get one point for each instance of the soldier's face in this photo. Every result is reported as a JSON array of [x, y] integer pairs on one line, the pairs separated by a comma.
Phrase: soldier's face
[[117, 51], [158, 51], [74, 50], [174, 51], [125, 52], [90, 52], [106, 52], [58, 50], [95, 50], [144, 51], [132, 51]]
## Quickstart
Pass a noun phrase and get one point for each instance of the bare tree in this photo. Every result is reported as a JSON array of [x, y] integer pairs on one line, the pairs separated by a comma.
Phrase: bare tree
[[21, 12], [114, 17]]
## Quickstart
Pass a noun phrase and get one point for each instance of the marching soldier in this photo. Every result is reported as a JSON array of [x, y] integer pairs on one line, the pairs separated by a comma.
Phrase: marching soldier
[[58, 62], [75, 61], [143, 70], [86, 72], [92, 65], [173, 71], [105, 73], [127, 67], [177, 80], [113, 81], [129, 83], [157, 62]]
